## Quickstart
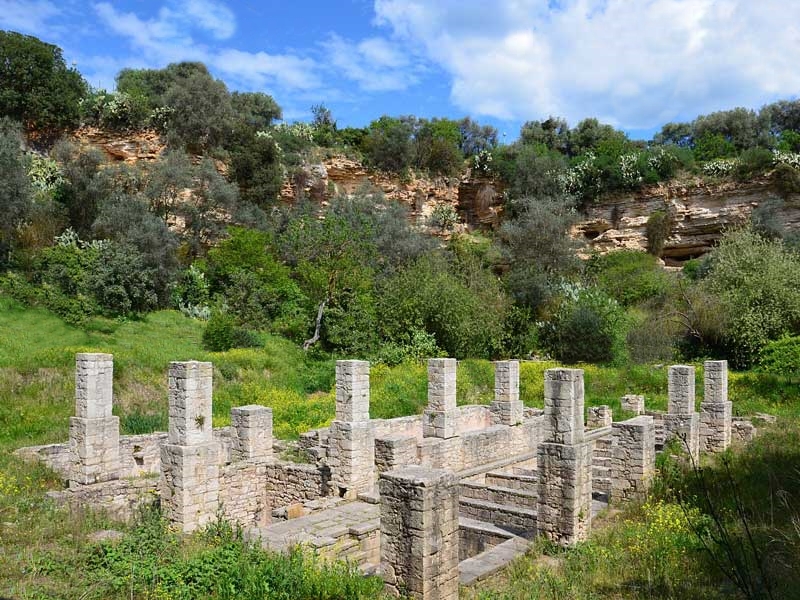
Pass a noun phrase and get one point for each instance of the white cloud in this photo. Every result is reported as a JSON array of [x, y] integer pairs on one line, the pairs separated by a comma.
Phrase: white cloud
[[375, 64], [634, 64], [27, 17], [168, 38]]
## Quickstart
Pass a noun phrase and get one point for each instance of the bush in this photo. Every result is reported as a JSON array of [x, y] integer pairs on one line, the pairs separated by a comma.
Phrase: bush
[[752, 162], [587, 326], [659, 226], [787, 180], [222, 333], [387, 144], [782, 357], [628, 276]]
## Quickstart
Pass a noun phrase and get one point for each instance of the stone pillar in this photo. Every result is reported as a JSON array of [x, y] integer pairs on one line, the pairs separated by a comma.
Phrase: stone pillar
[[599, 416], [633, 403], [634, 461], [682, 421], [253, 427], [419, 533], [440, 419], [94, 431], [564, 460], [190, 459], [507, 405], [715, 410], [351, 452]]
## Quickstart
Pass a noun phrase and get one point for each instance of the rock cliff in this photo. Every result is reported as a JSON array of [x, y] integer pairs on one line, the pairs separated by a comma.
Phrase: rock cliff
[[700, 212]]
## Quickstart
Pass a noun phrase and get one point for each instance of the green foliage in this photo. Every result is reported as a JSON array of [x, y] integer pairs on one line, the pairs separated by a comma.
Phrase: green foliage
[[205, 216], [755, 280], [15, 187], [257, 110], [222, 333], [81, 192], [628, 276], [787, 180], [255, 166], [713, 145], [782, 356], [537, 246], [387, 144], [587, 326], [201, 112], [476, 138], [443, 216], [37, 88], [437, 147], [657, 230], [753, 162], [114, 110]]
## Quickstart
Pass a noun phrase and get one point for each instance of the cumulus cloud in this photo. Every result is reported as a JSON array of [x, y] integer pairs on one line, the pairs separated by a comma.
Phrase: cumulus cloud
[[634, 64], [168, 38], [375, 64], [29, 17]]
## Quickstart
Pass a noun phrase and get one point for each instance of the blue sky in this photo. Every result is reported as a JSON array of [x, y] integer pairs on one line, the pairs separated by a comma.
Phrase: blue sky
[[634, 63]]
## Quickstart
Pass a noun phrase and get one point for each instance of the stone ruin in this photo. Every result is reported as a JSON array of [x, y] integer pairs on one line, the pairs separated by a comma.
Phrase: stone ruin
[[428, 501]]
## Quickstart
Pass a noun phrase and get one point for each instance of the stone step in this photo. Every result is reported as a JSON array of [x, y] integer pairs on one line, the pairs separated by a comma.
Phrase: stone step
[[490, 561], [598, 471], [604, 461], [525, 483], [498, 495], [517, 520]]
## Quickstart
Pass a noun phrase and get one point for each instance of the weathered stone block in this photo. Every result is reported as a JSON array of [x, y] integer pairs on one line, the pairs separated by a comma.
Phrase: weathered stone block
[[686, 429], [94, 376], [634, 461], [715, 426], [190, 484], [253, 427], [633, 403], [599, 416], [352, 390], [94, 450], [394, 452], [507, 407], [681, 390], [190, 395], [419, 533], [440, 423], [563, 406], [715, 381], [351, 457], [442, 384]]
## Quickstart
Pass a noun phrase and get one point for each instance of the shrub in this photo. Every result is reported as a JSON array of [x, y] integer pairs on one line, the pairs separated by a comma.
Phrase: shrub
[[752, 162], [587, 326], [15, 188], [628, 276], [387, 144], [787, 179], [222, 333], [782, 357], [657, 230], [443, 216]]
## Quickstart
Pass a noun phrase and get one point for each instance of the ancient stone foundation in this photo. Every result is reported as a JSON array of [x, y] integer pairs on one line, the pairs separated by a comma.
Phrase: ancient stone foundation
[[93, 431], [564, 460], [419, 533], [351, 453], [715, 410], [190, 460], [507, 406]]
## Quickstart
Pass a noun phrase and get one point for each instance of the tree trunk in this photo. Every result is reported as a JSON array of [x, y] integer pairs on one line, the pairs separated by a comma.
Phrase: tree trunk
[[315, 338]]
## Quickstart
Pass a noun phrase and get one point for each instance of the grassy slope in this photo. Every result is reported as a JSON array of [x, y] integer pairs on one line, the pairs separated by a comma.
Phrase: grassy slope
[[40, 548]]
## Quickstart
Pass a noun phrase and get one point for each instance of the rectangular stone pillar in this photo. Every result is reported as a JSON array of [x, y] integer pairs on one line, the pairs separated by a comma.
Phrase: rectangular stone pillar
[[634, 461], [564, 461], [351, 451], [682, 421], [190, 459], [94, 431], [253, 427], [419, 533], [507, 405], [633, 403], [716, 411], [440, 419], [599, 416]]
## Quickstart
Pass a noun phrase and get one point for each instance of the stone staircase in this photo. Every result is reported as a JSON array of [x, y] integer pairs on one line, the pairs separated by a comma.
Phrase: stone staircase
[[511, 506], [602, 457]]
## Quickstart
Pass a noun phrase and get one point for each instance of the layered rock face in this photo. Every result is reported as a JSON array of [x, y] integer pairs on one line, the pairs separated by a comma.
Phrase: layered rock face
[[701, 213]]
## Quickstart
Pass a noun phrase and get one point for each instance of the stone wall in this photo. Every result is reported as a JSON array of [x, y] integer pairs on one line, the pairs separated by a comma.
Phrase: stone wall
[[634, 460], [715, 410], [121, 498]]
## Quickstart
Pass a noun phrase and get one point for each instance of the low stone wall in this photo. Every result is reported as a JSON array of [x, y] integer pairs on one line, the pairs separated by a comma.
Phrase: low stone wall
[[120, 498], [475, 537], [243, 494], [287, 483]]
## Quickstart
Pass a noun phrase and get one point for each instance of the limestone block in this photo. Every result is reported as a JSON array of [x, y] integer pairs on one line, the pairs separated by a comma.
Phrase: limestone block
[[442, 384], [685, 428], [190, 393], [440, 423], [419, 533], [681, 390], [599, 416], [442, 453], [565, 491], [633, 403], [351, 457], [94, 376], [352, 390], [253, 427], [563, 406], [715, 426], [715, 381], [94, 450], [634, 460], [393, 452], [190, 484]]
